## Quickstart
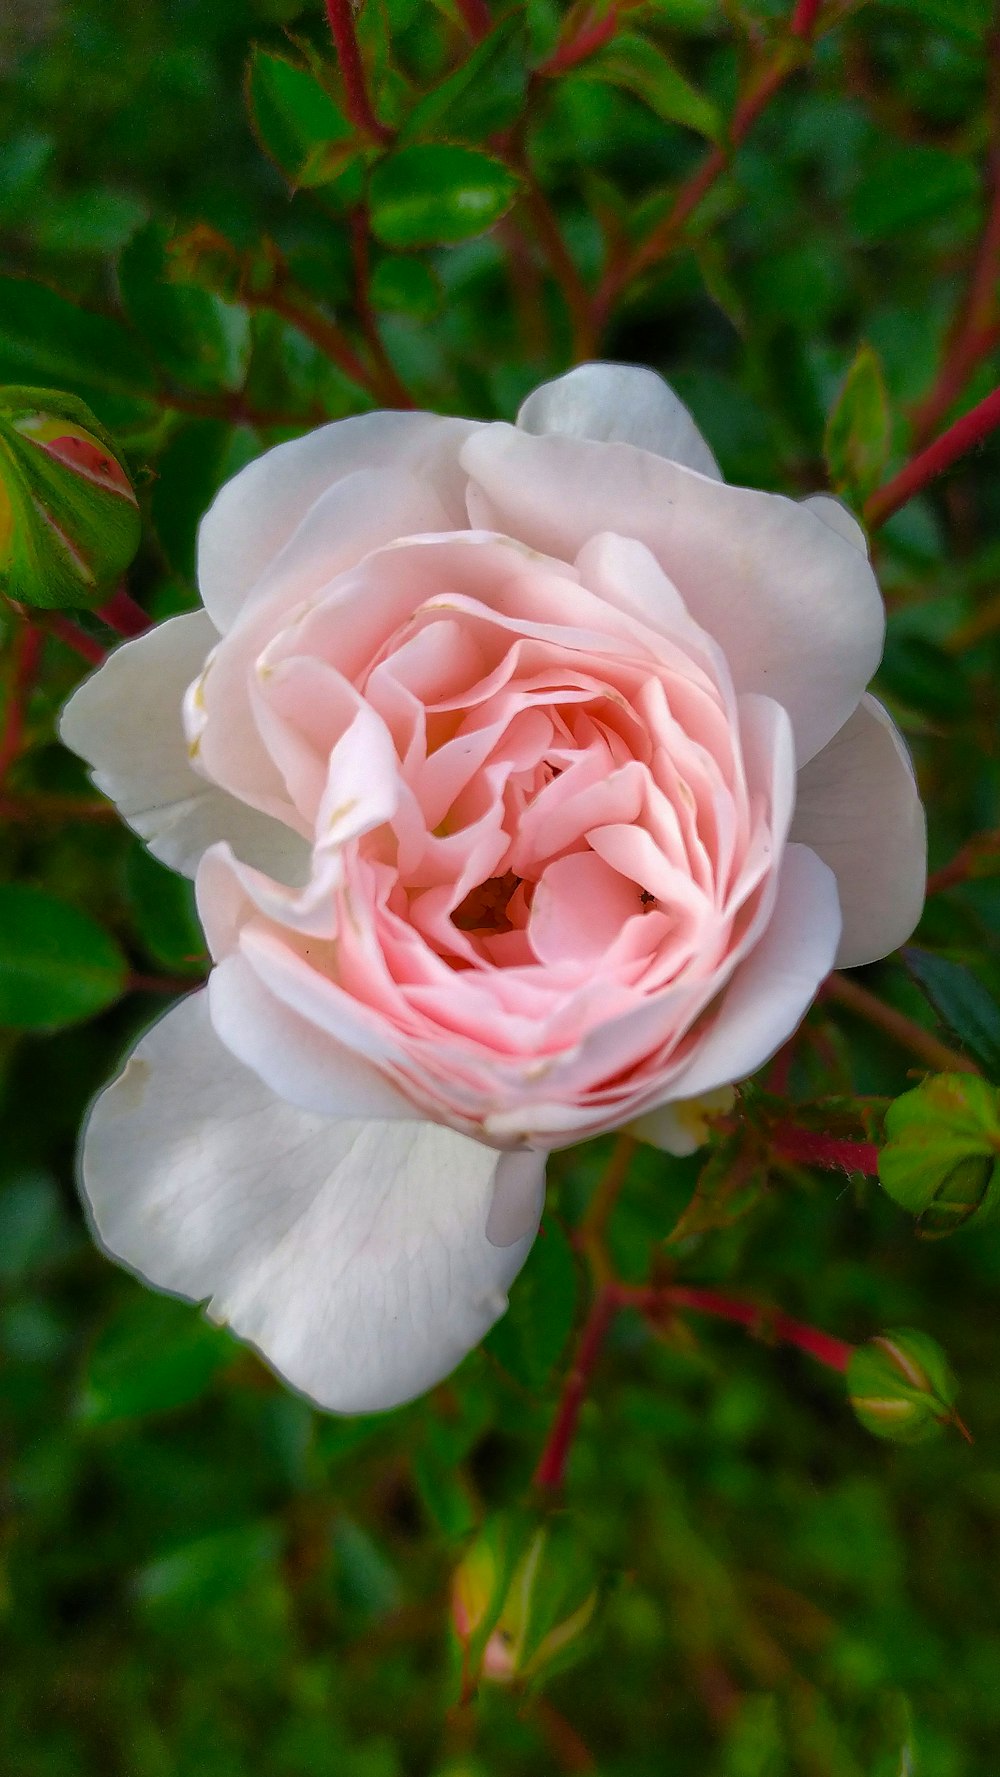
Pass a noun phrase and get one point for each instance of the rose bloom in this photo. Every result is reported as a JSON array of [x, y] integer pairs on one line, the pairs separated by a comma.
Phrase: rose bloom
[[531, 788]]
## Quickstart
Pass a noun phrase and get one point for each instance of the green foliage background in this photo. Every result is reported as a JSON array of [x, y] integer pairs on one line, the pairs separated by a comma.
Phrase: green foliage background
[[200, 1575]]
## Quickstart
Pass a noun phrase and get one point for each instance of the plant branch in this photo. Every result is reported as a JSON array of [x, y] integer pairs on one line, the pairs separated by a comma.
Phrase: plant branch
[[924, 468], [765, 80], [765, 1323], [476, 18], [26, 654], [904, 1031], [574, 291], [324, 334], [356, 100], [551, 1469], [804, 17], [68, 632], [392, 385], [807, 1147], [591, 37], [40, 806], [963, 864], [976, 328], [123, 614]]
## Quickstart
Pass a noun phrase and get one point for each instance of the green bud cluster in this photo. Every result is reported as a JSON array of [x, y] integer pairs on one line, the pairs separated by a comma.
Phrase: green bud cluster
[[942, 1158], [522, 1597], [901, 1386], [69, 519]]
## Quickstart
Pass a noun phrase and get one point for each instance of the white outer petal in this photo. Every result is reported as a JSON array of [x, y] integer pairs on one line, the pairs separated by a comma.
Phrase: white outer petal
[[771, 992], [619, 402], [125, 721], [254, 515], [858, 807], [792, 601], [353, 1254]]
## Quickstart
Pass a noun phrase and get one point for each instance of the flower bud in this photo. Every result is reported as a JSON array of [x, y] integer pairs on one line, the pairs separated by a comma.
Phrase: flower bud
[[901, 1386], [69, 520], [942, 1158], [521, 1599]]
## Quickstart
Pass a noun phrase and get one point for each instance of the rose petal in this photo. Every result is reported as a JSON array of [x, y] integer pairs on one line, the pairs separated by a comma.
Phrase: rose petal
[[859, 809], [125, 720], [773, 989], [619, 402], [255, 514], [353, 1254], [794, 604]]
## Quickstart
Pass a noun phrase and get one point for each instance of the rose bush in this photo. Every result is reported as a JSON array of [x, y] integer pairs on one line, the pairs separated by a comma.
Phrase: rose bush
[[531, 788]]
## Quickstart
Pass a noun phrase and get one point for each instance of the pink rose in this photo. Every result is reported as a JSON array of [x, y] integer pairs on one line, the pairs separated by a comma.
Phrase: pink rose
[[531, 788]]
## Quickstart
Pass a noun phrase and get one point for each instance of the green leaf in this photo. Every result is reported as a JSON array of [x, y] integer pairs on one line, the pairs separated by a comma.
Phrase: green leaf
[[163, 908], [444, 1493], [482, 96], [298, 125], [940, 1159], [57, 965], [962, 1002], [910, 185], [153, 1355], [530, 1338], [644, 70], [435, 193], [404, 285], [47, 340], [201, 341], [859, 429]]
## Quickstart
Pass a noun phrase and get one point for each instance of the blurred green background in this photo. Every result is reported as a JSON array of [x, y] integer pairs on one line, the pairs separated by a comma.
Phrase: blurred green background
[[200, 1575]]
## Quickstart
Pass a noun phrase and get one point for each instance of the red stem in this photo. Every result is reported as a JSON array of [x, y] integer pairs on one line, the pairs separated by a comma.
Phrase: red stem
[[86, 646], [26, 652], [123, 614], [663, 237], [477, 18], [763, 1322], [808, 1148], [975, 332], [357, 102], [836, 1354], [552, 1463], [587, 41], [804, 17], [963, 864], [970, 430]]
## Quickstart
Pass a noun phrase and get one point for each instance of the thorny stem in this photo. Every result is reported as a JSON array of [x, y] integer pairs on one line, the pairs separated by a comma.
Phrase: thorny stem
[[760, 91], [807, 1147], [592, 36], [41, 806], [476, 18], [966, 432], [574, 290], [976, 329], [26, 655], [904, 1031], [314, 324], [392, 385], [123, 614], [552, 1463], [765, 1323], [86, 646], [656, 1302], [804, 17], [963, 864], [357, 102], [599, 1210]]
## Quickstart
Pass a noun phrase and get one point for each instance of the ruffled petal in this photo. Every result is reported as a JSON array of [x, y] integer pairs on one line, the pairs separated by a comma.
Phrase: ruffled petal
[[859, 808], [125, 720], [619, 403], [353, 1254], [771, 992], [255, 514], [792, 601]]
